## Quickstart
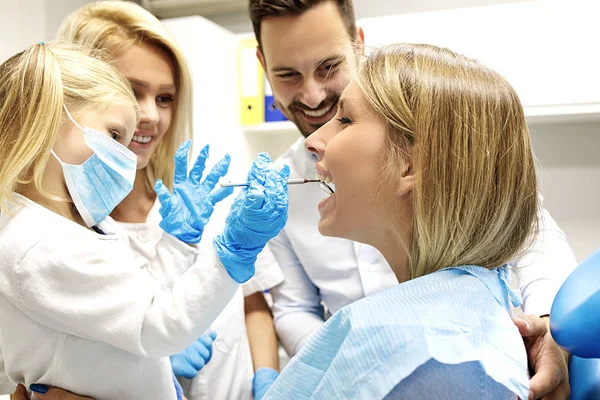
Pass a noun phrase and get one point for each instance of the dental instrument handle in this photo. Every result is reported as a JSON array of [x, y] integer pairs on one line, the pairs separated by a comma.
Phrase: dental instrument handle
[[298, 181]]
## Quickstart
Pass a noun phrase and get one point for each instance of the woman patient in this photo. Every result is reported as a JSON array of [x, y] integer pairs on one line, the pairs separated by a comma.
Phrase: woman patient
[[432, 164]]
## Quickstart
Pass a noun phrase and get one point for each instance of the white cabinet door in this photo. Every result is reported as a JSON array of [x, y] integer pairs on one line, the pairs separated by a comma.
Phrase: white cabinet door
[[546, 49]]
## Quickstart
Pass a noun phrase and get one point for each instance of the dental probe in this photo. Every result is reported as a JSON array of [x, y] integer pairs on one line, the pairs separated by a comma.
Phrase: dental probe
[[298, 181]]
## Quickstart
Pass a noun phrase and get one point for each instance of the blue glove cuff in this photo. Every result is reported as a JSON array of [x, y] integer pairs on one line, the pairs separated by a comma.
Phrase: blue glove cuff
[[262, 381], [238, 264]]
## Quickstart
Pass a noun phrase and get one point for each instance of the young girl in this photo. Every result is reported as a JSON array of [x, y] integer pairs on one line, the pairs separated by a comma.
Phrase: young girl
[[78, 310], [144, 52]]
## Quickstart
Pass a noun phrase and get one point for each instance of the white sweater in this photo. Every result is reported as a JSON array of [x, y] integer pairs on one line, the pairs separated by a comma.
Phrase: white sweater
[[80, 312]]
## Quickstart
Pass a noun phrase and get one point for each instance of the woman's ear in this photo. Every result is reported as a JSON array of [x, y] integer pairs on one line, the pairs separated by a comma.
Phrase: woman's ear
[[406, 179], [360, 41]]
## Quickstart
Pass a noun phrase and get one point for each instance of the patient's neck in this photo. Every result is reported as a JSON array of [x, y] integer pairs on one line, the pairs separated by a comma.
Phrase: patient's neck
[[394, 244]]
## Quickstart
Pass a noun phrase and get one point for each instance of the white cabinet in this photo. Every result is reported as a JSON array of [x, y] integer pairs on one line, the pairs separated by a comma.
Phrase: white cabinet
[[545, 49]]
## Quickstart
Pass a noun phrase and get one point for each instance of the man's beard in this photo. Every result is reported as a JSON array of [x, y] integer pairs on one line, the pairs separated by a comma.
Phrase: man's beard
[[294, 113]]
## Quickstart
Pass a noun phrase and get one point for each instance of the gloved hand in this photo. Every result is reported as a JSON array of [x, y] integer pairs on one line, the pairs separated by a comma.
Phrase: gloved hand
[[190, 361], [257, 215], [263, 379], [186, 211]]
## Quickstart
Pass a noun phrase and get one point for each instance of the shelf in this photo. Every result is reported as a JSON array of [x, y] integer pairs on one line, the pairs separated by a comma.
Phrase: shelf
[[563, 113], [535, 116]]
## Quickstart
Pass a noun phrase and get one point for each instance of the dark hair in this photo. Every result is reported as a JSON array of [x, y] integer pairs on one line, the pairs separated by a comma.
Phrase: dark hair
[[263, 9]]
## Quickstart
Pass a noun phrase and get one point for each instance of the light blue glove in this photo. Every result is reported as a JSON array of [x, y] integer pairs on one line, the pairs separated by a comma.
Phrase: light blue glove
[[186, 211], [257, 215], [263, 379], [189, 362]]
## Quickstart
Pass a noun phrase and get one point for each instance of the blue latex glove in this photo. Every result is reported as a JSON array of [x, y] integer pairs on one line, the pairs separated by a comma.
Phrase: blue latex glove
[[186, 211], [189, 362], [263, 379], [257, 215]]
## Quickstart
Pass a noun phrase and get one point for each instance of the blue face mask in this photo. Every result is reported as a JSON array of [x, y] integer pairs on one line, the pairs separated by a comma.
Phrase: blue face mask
[[99, 184]]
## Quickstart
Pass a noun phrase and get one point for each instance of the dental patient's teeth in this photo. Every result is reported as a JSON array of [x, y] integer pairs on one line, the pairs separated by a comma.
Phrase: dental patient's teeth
[[323, 178]]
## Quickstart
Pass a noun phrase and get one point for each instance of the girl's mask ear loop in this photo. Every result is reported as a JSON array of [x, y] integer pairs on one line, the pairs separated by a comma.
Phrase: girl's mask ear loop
[[72, 119]]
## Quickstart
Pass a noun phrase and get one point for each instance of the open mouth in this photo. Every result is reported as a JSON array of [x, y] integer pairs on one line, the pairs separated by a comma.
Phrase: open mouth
[[319, 116], [141, 139], [318, 113], [325, 183]]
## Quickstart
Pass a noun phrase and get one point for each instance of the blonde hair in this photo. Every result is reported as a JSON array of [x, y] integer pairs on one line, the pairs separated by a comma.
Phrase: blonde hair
[[112, 26], [462, 128], [34, 86]]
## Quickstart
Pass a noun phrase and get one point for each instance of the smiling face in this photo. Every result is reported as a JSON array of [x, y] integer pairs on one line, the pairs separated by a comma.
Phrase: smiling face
[[352, 154], [151, 73], [308, 59]]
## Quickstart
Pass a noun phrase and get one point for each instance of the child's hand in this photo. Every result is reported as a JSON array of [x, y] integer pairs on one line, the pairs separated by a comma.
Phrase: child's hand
[[188, 209], [257, 215]]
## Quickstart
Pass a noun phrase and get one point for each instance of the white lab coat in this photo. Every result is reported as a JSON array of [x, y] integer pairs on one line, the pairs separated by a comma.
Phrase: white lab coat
[[79, 311], [229, 373], [336, 272]]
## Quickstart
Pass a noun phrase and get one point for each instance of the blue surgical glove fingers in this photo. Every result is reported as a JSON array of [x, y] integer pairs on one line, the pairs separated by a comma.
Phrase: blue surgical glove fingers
[[207, 340], [220, 194], [201, 354], [182, 367], [181, 162], [218, 171], [258, 168], [255, 197], [164, 196], [282, 199], [198, 168], [284, 172]]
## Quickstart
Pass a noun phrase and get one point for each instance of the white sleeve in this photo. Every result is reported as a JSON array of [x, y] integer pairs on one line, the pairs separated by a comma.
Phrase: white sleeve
[[268, 273], [6, 385], [96, 292], [297, 309], [543, 269]]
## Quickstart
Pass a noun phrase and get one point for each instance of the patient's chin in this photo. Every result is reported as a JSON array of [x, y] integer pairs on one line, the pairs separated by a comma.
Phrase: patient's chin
[[333, 228]]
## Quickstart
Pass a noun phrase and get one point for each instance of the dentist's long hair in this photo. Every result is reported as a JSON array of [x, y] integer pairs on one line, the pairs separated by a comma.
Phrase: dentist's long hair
[[34, 85], [113, 26], [462, 128]]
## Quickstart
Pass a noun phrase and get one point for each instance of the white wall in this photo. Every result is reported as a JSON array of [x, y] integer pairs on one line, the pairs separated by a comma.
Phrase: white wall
[[26, 22], [56, 11], [570, 180], [240, 23], [22, 23]]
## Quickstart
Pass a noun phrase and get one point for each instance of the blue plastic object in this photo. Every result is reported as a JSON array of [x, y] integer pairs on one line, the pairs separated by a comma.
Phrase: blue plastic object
[[575, 313], [257, 215], [584, 378], [186, 212], [190, 361], [263, 379]]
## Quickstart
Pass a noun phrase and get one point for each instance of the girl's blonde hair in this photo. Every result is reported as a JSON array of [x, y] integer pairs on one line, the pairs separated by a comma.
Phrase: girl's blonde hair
[[462, 128], [34, 86], [112, 26]]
